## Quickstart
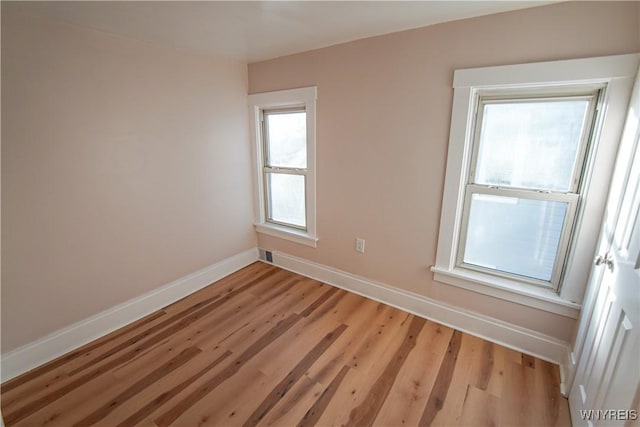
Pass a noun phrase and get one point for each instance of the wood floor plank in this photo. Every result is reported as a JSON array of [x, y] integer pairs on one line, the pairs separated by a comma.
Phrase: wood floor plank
[[144, 340], [181, 319], [260, 320], [39, 372], [293, 376], [528, 361], [332, 360], [517, 396], [479, 408], [487, 370], [451, 412], [55, 374], [67, 409], [265, 346], [281, 327], [226, 284], [547, 398], [408, 397], [157, 397], [191, 336], [140, 385], [368, 363], [441, 386], [176, 411], [343, 351], [277, 360], [367, 411], [305, 333], [314, 413], [378, 337], [234, 400], [71, 407], [289, 410]]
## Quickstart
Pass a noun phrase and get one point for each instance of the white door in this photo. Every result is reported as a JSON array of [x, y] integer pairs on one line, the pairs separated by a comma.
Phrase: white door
[[606, 387]]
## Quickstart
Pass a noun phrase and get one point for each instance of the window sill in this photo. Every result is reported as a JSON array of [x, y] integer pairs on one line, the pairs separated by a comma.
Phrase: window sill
[[508, 290], [296, 236]]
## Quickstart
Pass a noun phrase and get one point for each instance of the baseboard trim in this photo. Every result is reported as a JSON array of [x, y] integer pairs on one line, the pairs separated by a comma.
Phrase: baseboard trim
[[567, 372], [515, 337], [36, 353]]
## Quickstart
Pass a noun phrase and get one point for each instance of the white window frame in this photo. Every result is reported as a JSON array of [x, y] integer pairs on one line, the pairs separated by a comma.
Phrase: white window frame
[[282, 170], [614, 74], [571, 197], [300, 99]]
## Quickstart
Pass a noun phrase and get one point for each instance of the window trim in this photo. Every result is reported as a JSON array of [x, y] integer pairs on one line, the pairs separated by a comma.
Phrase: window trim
[[294, 99], [614, 72]]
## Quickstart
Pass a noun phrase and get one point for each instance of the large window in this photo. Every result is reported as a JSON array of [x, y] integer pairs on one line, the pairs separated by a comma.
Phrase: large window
[[531, 149], [284, 149], [524, 184]]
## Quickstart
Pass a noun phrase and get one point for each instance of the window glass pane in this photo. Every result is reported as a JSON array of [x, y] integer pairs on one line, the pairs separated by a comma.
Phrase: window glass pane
[[287, 139], [514, 235], [286, 198], [530, 144]]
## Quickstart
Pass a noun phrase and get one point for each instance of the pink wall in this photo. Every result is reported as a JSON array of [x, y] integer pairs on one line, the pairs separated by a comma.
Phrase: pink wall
[[117, 156], [384, 107], [125, 166]]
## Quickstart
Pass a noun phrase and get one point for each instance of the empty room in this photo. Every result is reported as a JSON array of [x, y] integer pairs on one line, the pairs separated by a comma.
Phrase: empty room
[[299, 213]]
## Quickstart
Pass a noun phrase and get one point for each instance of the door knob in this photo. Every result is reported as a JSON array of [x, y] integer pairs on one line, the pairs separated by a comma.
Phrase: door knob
[[607, 260]]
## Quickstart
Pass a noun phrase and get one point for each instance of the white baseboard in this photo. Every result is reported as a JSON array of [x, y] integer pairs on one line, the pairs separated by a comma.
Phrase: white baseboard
[[64, 340], [518, 338], [567, 372]]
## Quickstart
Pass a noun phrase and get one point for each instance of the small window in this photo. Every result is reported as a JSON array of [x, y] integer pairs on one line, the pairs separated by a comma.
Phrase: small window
[[524, 181], [285, 166], [284, 148]]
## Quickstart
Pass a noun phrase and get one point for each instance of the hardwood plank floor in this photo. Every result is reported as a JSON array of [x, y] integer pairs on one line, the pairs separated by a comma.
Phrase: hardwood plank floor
[[264, 346]]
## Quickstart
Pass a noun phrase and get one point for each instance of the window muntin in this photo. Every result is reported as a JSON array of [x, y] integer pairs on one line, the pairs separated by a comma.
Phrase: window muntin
[[284, 140], [524, 185]]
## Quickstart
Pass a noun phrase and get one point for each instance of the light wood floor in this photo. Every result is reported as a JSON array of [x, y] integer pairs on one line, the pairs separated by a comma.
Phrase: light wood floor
[[266, 346]]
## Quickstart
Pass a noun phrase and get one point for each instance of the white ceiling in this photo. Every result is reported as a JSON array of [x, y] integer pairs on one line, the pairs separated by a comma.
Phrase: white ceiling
[[251, 31]]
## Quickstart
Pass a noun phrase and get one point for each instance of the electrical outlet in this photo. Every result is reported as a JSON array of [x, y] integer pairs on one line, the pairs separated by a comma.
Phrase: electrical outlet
[[360, 245]]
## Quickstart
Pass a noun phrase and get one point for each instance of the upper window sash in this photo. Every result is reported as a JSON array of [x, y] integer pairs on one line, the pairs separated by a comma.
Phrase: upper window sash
[[267, 166], [528, 95], [265, 116]]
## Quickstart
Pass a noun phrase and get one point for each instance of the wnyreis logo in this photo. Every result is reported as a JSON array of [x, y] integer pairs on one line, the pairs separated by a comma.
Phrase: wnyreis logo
[[609, 414]]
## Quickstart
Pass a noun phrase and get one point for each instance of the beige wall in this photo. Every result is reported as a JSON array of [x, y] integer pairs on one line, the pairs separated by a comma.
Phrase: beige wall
[[384, 107], [125, 166]]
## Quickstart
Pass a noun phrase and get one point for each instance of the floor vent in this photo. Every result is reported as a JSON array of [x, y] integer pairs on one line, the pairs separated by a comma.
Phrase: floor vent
[[265, 255]]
